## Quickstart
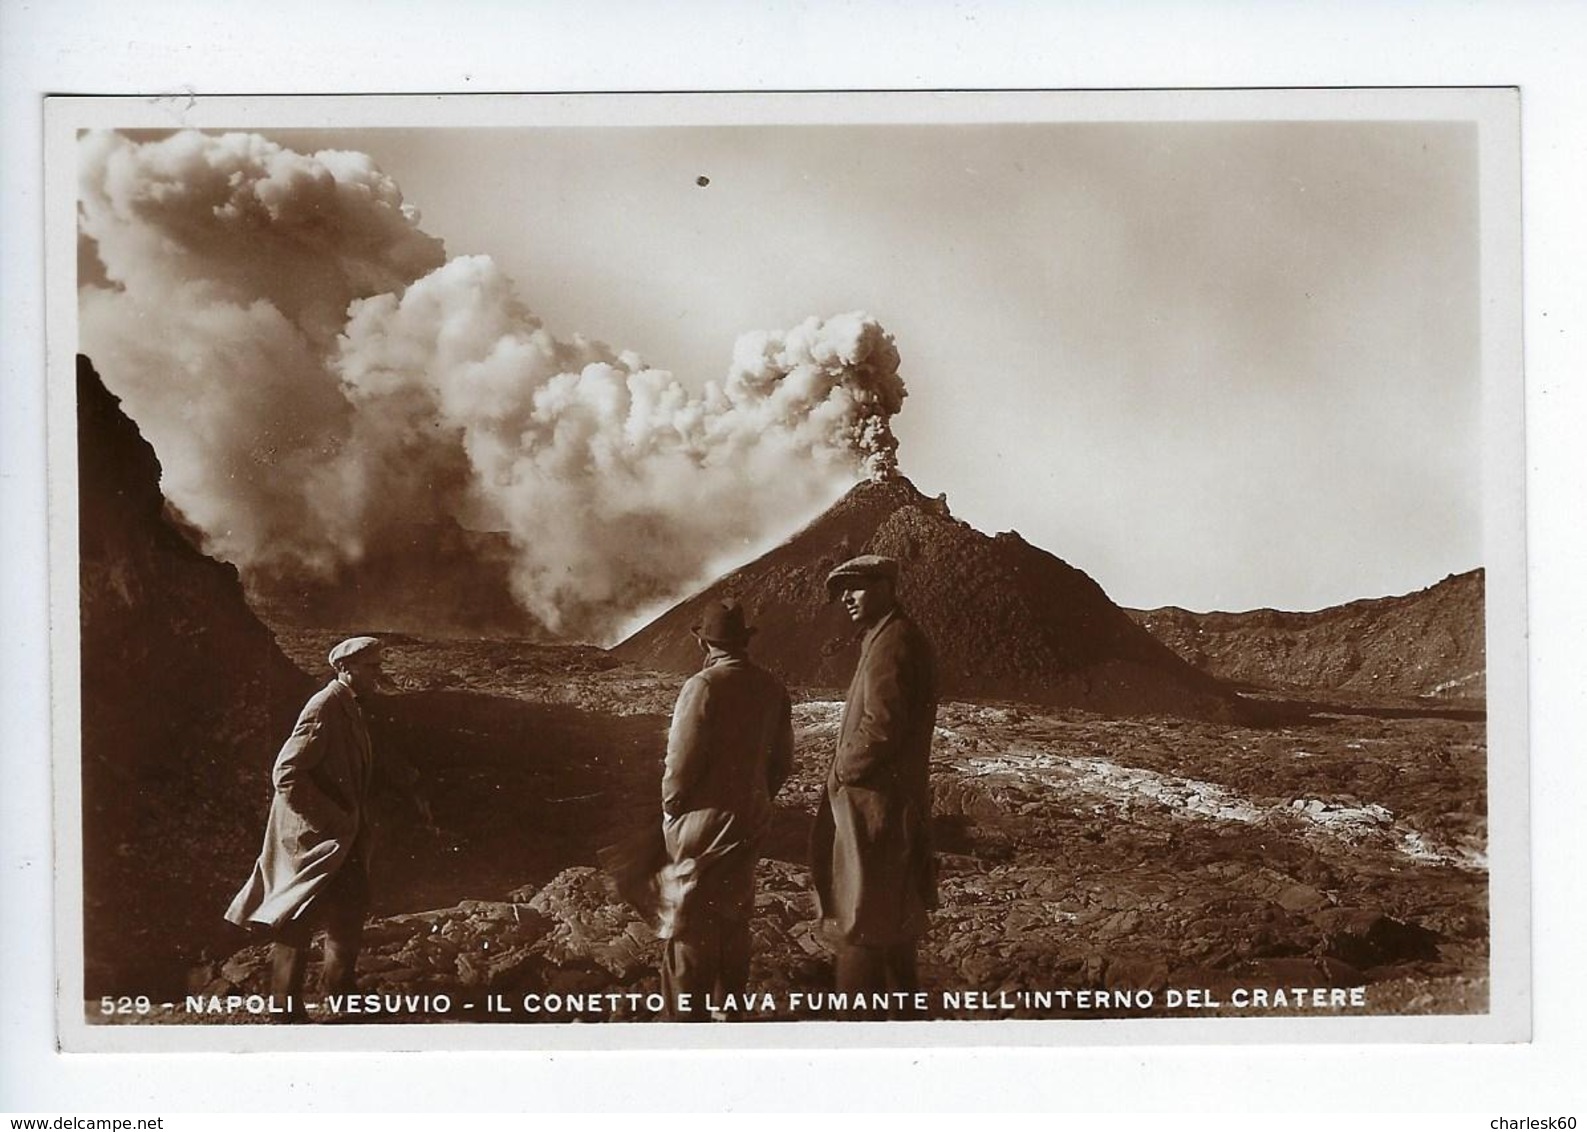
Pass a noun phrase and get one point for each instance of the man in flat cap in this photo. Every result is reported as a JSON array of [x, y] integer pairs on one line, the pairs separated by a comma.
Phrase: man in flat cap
[[729, 750], [313, 871], [871, 857]]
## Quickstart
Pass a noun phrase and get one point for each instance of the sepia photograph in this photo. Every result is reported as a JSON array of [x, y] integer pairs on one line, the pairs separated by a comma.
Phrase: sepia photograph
[[950, 568]]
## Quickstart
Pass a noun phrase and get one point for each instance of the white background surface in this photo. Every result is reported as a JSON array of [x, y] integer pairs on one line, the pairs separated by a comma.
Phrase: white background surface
[[501, 47]]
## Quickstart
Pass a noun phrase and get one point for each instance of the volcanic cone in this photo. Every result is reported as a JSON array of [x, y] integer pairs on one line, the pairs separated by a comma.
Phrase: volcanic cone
[[1008, 620]]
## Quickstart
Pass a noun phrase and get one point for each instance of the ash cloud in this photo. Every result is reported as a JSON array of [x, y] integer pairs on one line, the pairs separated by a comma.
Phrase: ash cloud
[[321, 382]]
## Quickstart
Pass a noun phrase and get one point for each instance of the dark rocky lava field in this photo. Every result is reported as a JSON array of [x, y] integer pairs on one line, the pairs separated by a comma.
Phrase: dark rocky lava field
[[1119, 825], [1078, 852]]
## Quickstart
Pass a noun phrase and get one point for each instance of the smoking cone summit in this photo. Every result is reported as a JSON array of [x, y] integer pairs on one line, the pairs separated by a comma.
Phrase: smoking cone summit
[[1007, 620]]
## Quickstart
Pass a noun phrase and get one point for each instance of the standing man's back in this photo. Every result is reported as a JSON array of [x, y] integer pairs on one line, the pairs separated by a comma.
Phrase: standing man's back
[[729, 750]]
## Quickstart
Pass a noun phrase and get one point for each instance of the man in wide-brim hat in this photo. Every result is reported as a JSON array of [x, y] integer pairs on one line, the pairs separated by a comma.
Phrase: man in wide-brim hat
[[871, 856], [313, 871], [729, 749]]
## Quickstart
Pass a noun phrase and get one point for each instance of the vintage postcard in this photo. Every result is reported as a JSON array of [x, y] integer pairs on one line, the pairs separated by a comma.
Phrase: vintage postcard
[[833, 569]]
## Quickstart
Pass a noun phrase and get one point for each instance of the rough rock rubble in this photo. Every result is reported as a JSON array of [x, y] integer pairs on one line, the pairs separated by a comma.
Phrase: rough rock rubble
[[1077, 854], [1078, 851]]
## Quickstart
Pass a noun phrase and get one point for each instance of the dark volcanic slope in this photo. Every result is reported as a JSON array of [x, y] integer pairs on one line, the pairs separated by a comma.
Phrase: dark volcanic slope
[[1007, 620], [430, 578], [1429, 643], [185, 696]]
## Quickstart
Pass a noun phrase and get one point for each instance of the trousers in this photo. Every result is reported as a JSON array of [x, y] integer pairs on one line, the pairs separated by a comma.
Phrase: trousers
[[339, 908], [713, 962], [861, 968]]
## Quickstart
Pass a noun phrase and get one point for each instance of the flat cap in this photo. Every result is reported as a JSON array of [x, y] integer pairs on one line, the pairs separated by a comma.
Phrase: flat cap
[[855, 570], [354, 647]]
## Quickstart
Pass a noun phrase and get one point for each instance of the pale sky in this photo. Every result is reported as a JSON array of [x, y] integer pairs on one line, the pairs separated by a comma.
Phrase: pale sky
[[1215, 365]]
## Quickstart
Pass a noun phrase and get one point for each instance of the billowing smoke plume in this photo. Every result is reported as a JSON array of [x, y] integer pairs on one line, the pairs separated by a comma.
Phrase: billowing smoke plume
[[327, 392]]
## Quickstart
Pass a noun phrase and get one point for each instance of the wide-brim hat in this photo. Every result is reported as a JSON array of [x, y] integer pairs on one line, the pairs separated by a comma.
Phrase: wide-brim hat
[[354, 647], [722, 623], [865, 568]]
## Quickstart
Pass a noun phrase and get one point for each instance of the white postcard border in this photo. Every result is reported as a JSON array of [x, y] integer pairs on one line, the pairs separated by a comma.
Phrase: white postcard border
[[1496, 112]]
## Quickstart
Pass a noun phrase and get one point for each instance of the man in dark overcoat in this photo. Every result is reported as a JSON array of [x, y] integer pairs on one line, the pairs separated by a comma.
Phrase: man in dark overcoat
[[729, 750], [313, 871], [871, 856]]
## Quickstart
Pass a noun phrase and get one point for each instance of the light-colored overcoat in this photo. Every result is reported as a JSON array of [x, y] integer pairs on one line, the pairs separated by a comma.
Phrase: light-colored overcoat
[[319, 815], [871, 857], [729, 749]]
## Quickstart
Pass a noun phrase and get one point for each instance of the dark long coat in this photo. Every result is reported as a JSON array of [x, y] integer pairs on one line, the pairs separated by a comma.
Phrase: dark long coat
[[871, 857], [319, 814], [729, 749]]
